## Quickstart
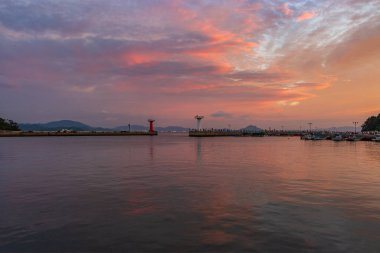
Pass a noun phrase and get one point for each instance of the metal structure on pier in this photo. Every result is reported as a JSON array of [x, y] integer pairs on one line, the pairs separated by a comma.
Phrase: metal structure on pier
[[199, 119]]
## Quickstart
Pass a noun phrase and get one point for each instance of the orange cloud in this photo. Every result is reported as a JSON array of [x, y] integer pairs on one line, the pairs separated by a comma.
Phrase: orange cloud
[[222, 45], [132, 58], [306, 15]]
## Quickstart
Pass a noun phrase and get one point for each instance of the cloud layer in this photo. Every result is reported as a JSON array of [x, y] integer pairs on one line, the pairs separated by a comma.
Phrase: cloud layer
[[113, 61]]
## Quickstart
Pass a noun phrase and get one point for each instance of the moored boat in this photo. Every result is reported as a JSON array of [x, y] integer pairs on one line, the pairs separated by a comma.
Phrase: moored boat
[[313, 137], [353, 138], [318, 138], [307, 137], [337, 137]]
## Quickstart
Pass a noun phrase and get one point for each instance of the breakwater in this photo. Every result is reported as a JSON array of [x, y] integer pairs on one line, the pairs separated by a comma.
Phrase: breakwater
[[346, 136], [222, 132], [72, 133]]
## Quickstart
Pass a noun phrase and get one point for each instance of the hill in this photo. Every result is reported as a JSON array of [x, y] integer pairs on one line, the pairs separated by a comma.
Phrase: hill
[[251, 129], [343, 129], [8, 125], [58, 125], [372, 123], [79, 126]]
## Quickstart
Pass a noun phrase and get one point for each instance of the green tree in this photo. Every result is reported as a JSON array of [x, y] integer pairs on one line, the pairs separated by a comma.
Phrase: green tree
[[9, 125], [372, 124]]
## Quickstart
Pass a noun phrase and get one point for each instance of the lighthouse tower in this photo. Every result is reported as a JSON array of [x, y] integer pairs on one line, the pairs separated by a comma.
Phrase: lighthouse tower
[[198, 118], [151, 127]]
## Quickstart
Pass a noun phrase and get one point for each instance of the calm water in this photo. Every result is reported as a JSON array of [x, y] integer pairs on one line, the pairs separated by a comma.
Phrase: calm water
[[172, 193]]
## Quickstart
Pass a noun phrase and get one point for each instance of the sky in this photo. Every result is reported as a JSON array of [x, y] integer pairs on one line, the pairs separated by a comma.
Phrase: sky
[[270, 63]]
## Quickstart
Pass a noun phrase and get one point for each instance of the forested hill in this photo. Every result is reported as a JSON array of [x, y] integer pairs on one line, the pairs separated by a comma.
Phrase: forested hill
[[372, 124], [10, 125]]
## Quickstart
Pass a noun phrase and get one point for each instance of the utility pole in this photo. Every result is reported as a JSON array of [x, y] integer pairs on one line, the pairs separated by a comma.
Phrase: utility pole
[[355, 123], [310, 125]]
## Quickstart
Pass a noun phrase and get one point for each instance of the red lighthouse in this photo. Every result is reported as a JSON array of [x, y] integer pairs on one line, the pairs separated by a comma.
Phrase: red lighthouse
[[151, 127]]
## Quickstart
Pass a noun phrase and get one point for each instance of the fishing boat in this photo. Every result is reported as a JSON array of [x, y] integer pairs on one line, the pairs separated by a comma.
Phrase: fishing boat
[[312, 137], [307, 137], [337, 137], [318, 138], [353, 138]]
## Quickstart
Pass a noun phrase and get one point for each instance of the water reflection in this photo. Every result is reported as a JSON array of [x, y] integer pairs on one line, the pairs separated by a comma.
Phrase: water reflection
[[151, 147], [146, 194], [199, 150]]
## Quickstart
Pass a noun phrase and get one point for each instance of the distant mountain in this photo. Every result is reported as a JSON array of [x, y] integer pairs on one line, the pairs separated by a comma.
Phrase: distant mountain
[[172, 129], [79, 126], [56, 125], [343, 129], [145, 128], [133, 128], [251, 129]]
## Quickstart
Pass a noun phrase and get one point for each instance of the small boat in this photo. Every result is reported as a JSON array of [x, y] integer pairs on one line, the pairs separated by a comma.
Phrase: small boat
[[377, 138], [337, 137], [307, 137], [353, 138], [318, 138], [312, 137]]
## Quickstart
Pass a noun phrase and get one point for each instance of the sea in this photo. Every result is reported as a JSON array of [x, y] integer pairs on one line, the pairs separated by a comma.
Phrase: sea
[[174, 193]]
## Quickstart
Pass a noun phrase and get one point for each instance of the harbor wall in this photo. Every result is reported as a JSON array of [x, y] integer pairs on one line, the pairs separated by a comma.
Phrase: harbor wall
[[44, 133]]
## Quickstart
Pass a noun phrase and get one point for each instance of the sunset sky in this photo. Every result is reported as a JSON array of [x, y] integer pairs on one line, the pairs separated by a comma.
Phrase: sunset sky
[[270, 63]]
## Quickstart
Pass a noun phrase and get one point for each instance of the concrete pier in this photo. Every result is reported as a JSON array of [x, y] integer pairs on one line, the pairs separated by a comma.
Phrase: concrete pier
[[221, 133], [72, 133]]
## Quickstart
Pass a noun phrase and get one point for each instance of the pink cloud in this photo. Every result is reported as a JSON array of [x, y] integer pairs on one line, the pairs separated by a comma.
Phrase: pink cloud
[[306, 15], [286, 10]]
